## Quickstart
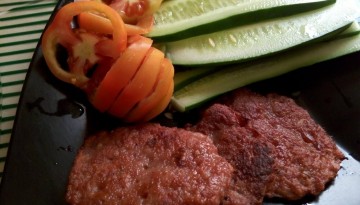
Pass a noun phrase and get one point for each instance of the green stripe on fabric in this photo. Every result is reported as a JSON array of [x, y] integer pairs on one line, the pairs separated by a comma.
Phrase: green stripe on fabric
[[24, 24], [21, 33], [5, 145], [4, 132], [18, 82], [26, 16], [34, 6], [2, 159], [6, 95], [14, 72], [5, 119], [15, 62], [19, 42], [14, 3], [30, 50], [10, 106]]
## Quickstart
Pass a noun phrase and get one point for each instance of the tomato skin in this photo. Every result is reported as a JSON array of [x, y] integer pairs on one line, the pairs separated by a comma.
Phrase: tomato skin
[[121, 72], [161, 106], [155, 103], [133, 10], [140, 86]]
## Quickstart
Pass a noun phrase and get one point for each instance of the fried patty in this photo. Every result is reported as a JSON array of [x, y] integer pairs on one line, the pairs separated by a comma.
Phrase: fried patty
[[249, 155], [305, 156], [289, 154], [150, 164]]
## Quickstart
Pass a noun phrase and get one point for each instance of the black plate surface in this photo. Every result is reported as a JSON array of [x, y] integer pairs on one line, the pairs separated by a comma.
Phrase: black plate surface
[[54, 118]]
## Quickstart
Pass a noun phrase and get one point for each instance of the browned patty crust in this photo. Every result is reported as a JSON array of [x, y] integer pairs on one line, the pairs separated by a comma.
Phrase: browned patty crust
[[149, 164], [294, 156], [250, 156], [306, 157]]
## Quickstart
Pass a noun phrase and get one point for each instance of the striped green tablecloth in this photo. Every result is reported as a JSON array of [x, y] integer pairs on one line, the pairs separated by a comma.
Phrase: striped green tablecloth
[[21, 25]]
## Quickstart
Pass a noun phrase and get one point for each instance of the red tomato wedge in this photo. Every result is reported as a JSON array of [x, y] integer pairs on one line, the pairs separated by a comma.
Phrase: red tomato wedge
[[133, 10], [120, 74], [140, 86], [153, 101]]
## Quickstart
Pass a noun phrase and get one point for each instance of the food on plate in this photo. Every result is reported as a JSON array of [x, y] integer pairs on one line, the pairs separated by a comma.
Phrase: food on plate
[[277, 149], [101, 48], [244, 148], [150, 164], [119, 69]]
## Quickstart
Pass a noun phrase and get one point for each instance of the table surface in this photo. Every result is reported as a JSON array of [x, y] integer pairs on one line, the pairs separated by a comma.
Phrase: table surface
[[21, 25]]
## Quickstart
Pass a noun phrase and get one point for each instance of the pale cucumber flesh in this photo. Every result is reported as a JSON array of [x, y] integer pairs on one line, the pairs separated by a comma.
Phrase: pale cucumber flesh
[[181, 19], [217, 83], [264, 38], [184, 77]]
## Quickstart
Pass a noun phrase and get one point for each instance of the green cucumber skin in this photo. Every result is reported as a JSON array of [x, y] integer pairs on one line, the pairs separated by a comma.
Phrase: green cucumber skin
[[228, 79], [182, 78], [239, 20], [353, 29], [255, 40]]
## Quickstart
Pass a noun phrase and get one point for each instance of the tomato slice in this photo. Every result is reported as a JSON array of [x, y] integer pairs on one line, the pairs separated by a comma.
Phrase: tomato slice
[[84, 49], [133, 10], [120, 74], [140, 86], [153, 102], [161, 106]]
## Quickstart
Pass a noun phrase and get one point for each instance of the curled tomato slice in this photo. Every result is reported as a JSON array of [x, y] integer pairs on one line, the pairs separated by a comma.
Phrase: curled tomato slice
[[161, 106], [155, 103], [140, 86], [85, 50], [120, 74]]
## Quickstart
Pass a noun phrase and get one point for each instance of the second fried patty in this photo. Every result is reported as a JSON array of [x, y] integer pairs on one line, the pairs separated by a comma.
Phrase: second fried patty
[[278, 150]]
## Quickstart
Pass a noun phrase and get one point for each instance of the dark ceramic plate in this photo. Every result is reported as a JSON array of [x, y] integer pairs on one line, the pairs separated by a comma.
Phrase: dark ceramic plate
[[53, 119]]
